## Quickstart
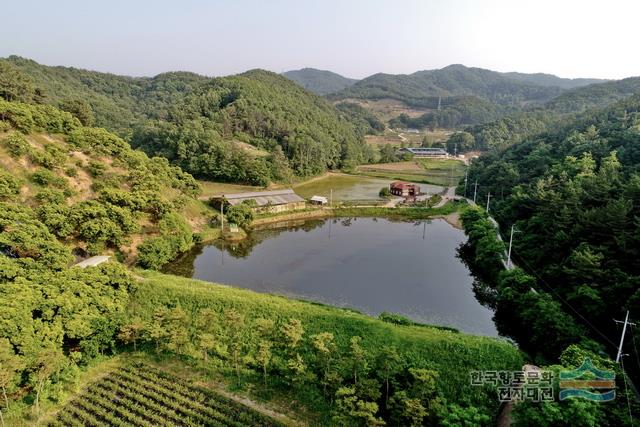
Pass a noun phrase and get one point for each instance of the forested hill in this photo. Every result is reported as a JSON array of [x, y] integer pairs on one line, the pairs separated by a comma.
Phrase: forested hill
[[423, 88], [574, 195], [543, 79], [87, 188], [203, 124], [594, 96], [321, 82]]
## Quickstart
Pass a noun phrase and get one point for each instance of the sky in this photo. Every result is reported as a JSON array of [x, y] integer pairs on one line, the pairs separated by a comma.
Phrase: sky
[[355, 38]]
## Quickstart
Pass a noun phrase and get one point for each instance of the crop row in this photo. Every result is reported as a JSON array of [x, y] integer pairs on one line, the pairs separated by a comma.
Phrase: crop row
[[145, 396], [207, 397], [199, 398]]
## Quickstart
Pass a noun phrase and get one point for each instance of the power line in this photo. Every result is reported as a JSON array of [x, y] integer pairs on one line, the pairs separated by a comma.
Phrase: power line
[[635, 349], [626, 391], [532, 270]]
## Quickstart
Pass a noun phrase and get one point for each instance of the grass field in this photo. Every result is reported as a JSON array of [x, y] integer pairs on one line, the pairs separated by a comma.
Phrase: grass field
[[210, 188], [445, 172], [452, 354], [141, 395]]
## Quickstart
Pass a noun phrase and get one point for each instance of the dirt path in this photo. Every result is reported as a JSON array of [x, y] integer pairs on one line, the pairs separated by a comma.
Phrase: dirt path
[[256, 406]]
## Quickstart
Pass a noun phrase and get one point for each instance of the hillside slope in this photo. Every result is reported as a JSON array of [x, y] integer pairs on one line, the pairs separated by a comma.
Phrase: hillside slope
[[88, 187], [574, 191], [194, 120], [321, 82], [594, 96]]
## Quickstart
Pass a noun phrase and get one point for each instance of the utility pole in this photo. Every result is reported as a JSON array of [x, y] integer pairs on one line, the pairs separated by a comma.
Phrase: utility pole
[[331, 198], [475, 192], [222, 217], [466, 172], [488, 200], [624, 330], [513, 230]]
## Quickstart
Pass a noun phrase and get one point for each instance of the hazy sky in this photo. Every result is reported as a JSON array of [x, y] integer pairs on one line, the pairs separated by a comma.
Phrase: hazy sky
[[355, 38]]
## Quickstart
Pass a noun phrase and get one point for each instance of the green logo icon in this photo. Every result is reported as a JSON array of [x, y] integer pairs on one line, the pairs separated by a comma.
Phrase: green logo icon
[[588, 382]]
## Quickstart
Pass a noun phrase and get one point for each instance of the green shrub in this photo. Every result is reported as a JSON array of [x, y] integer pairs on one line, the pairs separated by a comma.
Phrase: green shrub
[[96, 169], [17, 145], [71, 171], [175, 237], [42, 158], [9, 185], [154, 253], [51, 157], [385, 193], [45, 177], [241, 214], [51, 196]]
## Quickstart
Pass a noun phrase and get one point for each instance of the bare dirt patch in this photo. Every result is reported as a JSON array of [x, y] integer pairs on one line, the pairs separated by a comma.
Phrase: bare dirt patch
[[409, 166], [387, 108]]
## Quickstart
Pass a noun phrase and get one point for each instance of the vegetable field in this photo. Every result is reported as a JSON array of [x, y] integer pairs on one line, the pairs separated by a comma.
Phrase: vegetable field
[[139, 395]]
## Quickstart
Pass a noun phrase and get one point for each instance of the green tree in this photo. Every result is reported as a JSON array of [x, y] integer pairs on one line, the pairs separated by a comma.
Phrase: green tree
[[206, 343], [388, 364], [80, 109], [46, 362], [263, 357], [15, 85], [241, 214], [235, 327], [460, 141], [407, 411], [357, 359], [11, 366], [132, 332], [351, 411], [293, 332], [177, 325], [324, 346], [156, 330]]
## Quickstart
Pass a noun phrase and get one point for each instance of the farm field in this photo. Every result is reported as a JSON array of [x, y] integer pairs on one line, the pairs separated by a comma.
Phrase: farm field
[[210, 188], [398, 138], [141, 395], [386, 109], [444, 172], [348, 187]]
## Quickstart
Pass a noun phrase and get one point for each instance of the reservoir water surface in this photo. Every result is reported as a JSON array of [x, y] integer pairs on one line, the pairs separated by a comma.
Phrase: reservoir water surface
[[369, 264]]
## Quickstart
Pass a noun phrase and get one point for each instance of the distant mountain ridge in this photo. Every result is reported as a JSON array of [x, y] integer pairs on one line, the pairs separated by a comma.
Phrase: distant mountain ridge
[[419, 89], [544, 79], [321, 82]]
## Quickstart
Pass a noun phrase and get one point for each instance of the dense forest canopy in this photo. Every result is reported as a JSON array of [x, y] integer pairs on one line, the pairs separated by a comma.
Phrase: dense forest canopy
[[573, 193], [594, 96], [196, 122]]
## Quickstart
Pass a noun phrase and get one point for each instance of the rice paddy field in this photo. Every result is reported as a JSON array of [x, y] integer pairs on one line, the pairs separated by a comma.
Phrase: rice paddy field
[[141, 395], [443, 172], [348, 188]]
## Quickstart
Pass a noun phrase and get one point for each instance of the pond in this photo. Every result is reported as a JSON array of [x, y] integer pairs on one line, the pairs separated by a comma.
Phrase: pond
[[369, 264]]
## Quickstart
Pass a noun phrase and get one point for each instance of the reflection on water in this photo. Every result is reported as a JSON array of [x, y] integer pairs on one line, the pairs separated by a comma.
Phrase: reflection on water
[[369, 264]]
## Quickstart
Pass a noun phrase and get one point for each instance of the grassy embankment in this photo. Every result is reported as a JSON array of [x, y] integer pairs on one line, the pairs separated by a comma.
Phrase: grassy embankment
[[451, 354]]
